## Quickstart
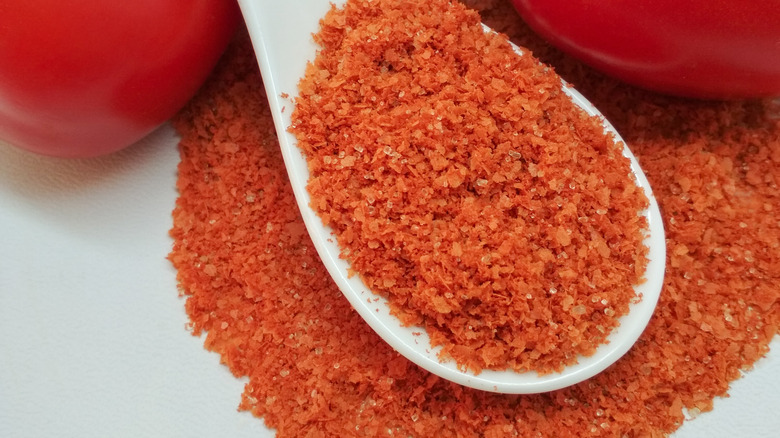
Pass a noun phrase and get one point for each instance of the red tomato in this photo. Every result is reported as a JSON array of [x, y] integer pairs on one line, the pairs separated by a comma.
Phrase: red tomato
[[83, 78], [698, 48]]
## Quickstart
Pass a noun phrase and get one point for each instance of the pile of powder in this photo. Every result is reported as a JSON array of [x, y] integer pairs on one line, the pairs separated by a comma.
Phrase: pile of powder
[[255, 286], [466, 187]]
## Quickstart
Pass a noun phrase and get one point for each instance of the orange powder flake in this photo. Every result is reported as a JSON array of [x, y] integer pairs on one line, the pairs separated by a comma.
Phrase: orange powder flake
[[466, 187], [255, 286]]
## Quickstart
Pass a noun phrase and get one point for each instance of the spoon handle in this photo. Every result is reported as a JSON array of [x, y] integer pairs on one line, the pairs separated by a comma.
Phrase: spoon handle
[[278, 30]]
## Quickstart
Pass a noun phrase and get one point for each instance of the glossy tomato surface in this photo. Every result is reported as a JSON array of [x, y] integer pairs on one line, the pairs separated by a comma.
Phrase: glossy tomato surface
[[82, 78], [698, 48]]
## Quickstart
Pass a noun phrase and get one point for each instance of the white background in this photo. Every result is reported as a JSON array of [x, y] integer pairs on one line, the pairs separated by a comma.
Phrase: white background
[[92, 330]]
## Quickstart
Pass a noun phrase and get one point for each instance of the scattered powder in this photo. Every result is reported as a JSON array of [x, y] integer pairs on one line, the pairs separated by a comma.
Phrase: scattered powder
[[459, 177], [315, 369]]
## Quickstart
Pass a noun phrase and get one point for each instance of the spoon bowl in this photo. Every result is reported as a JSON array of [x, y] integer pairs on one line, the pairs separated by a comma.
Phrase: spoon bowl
[[281, 33]]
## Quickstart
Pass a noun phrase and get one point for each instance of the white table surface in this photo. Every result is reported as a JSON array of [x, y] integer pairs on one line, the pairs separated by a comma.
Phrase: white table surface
[[92, 337]]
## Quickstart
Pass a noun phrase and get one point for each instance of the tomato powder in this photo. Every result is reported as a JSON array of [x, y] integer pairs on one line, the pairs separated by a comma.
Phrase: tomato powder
[[257, 290], [465, 186]]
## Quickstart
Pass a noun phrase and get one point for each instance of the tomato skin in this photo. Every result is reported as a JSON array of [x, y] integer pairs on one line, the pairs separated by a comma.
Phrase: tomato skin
[[694, 48], [82, 78]]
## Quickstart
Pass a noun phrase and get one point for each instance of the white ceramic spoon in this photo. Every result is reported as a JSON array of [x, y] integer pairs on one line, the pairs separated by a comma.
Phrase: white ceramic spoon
[[281, 34]]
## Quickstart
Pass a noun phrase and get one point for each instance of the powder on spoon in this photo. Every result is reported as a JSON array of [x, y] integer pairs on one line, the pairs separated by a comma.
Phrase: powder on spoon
[[466, 187], [256, 288]]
